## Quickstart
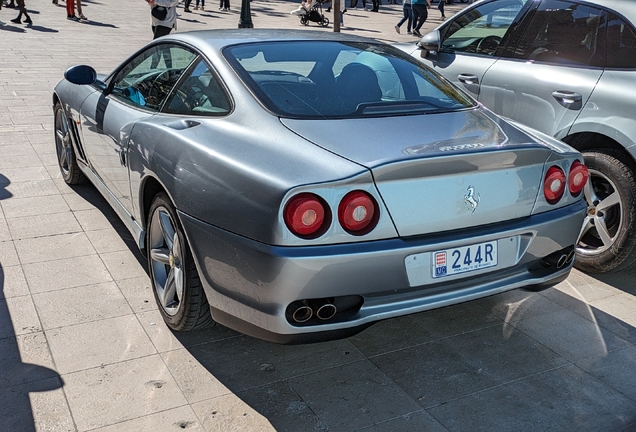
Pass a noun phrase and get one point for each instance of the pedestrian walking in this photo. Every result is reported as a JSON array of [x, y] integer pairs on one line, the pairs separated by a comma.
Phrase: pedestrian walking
[[376, 6], [186, 7], [225, 5], [408, 15], [196, 6], [420, 13], [23, 11], [440, 6], [354, 4], [164, 16]]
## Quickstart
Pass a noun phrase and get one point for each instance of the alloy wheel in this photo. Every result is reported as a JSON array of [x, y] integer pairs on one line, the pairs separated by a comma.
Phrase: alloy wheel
[[603, 220], [166, 257], [63, 142]]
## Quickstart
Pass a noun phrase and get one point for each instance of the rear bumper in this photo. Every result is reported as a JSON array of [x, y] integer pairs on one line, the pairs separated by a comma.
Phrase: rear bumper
[[250, 284]]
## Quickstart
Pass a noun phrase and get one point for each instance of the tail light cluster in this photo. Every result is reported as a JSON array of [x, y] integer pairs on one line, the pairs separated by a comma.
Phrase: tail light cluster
[[308, 216], [555, 181]]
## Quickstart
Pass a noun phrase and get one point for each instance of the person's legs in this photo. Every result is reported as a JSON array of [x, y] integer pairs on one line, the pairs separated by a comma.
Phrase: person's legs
[[415, 17], [409, 23], [70, 8], [404, 18], [80, 14], [160, 30], [186, 7], [421, 13], [18, 19], [440, 6]]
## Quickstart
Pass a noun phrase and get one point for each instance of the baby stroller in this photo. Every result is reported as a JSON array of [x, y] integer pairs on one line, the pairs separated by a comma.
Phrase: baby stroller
[[314, 14]]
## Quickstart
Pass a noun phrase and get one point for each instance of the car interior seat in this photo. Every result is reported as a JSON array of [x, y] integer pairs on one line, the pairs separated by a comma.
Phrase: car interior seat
[[356, 84]]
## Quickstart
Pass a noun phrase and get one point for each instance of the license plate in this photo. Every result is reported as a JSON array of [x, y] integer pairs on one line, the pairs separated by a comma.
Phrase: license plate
[[463, 259]]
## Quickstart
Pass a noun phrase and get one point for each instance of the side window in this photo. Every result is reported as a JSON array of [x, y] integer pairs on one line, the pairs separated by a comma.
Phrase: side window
[[147, 79], [621, 44], [199, 93], [562, 32], [481, 29]]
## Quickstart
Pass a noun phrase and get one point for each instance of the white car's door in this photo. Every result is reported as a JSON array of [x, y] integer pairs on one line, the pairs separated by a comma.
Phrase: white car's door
[[470, 41], [552, 70]]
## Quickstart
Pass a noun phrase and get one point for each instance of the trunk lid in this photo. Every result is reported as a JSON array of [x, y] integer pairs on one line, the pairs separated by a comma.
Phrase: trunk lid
[[439, 172]]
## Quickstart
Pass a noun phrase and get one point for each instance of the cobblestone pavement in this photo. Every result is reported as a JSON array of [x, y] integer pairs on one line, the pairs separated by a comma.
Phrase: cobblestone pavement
[[82, 346]]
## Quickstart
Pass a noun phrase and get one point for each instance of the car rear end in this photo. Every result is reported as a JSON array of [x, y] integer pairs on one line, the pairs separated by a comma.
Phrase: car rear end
[[453, 203]]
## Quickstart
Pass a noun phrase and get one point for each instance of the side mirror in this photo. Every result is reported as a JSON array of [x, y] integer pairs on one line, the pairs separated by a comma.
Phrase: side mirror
[[81, 75], [431, 41]]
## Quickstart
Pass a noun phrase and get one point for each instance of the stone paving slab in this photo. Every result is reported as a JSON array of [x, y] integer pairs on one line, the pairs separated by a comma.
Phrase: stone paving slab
[[83, 347]]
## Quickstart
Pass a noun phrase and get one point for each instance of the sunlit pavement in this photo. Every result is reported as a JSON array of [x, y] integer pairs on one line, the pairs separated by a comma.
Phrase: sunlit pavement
[[82, 346]]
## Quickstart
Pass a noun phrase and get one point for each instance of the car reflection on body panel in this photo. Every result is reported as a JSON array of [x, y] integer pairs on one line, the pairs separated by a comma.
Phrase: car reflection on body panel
[[299, 186]]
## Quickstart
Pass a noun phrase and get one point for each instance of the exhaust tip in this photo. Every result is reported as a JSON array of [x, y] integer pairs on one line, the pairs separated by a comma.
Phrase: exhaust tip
[[563, 260], [302, 314], [326, 311], [570, 256]]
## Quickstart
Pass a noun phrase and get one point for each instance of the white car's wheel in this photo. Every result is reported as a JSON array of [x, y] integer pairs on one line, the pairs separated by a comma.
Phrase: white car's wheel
[[608, 236]]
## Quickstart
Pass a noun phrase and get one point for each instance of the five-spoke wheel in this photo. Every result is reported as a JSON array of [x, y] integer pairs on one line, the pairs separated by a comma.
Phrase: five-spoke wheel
[[173, 274], [608, 236], [64, 148]]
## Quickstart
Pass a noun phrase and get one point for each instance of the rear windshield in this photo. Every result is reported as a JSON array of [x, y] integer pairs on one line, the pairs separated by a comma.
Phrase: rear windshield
[[316, 79]]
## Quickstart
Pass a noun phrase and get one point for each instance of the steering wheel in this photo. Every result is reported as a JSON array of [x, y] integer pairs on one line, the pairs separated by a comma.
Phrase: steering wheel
[[488, 45], [153, 91]]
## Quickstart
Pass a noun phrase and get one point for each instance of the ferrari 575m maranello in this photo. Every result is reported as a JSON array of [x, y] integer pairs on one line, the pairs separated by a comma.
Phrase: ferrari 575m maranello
[[299, 186]]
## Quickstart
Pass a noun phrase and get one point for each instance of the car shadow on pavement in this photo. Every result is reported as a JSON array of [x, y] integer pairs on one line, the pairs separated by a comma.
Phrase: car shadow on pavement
[[532, 360]]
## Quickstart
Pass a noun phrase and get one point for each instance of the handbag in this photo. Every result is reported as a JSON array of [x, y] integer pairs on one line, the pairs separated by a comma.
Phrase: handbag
[[159, 12]]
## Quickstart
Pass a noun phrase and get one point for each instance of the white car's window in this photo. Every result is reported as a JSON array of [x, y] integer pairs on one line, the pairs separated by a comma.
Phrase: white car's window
[[621, 44], [199, 93], [481, 29], [148, 78], [315, 79], [562, 32]]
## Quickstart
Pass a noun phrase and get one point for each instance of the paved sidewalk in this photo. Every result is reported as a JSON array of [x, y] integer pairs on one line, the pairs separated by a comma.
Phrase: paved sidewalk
[[82, 346]]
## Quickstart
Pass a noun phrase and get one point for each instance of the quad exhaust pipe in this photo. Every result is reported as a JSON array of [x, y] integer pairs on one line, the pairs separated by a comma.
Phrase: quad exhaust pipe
[[302, 313], [322, 308]]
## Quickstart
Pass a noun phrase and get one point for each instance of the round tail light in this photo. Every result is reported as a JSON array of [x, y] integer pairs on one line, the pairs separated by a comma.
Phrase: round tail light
[[306, 215], [577, 178], [358, 213], [554, 184]]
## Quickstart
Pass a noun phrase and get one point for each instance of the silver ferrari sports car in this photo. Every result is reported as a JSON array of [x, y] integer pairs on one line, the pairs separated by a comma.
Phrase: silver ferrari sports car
[[298, 186]]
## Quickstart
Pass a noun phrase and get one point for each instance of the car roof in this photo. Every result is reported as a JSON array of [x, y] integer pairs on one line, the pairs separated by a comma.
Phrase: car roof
[[218, 39]]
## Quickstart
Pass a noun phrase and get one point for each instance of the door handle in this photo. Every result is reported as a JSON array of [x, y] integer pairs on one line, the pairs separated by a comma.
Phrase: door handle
[[468, 79], [566, 97]]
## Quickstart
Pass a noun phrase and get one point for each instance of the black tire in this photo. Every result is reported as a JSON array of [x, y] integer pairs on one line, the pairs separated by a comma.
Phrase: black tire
[[304, 21], [173, 274], [66, 160], [611, 200], [324, 22]]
